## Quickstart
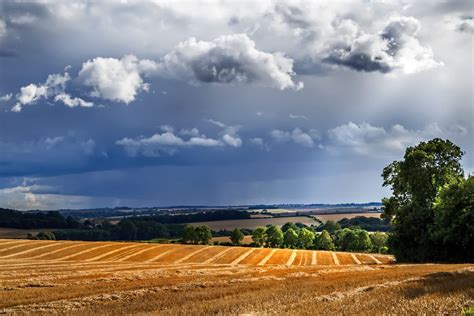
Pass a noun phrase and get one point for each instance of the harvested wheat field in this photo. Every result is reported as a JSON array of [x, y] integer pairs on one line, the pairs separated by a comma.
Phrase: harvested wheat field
[[44, 277]]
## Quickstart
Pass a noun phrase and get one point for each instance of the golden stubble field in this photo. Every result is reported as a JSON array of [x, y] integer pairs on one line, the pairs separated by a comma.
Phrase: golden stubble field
[[45, 277]]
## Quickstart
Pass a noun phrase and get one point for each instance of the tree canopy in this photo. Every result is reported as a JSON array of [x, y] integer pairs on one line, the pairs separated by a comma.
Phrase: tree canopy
[[422, 208], [236, 237]]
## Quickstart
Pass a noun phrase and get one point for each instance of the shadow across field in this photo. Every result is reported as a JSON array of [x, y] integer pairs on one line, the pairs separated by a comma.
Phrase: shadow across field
[[442, 283]]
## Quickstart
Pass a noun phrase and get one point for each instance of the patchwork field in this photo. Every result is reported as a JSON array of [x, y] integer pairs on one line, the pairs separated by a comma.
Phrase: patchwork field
[[116, 278], [253, 223]]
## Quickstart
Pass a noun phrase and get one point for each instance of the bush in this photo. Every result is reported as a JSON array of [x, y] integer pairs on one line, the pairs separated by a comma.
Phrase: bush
[[46, 236]]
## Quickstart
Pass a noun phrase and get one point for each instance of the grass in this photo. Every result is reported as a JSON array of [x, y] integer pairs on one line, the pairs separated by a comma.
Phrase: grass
[[210, 281]]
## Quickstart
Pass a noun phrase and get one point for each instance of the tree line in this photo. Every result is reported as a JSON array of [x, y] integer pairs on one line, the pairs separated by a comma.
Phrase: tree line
[[296, 237], [36, 220]]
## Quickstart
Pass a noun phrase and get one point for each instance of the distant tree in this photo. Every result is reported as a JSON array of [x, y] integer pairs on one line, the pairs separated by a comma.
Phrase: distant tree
[[46, 236], [72, 223], [379, 241], [189, 234], [87, 223], [305, 238], [290, 238], [203, 234], [236, 236], [289, 225], [106, 225], [259, 236], [274, 236], [353, 240], [415, 182], [127, 230], [330, 227], [323, 241]]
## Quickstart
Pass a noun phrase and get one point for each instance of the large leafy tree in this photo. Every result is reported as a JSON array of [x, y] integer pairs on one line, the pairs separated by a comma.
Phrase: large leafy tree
[[379, 241], [305, 238], [259, 236], [353, 240], [415, 182], [274, 236], [203, 234], [289, 225], [290, 238], [189, 234], [236, 236], [324, 241], [453, 223]]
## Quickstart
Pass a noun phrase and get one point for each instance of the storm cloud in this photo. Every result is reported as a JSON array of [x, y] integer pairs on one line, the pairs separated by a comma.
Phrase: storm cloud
[[112, 104]]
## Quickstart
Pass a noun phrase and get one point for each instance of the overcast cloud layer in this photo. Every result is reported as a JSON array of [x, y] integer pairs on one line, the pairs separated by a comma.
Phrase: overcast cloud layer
[[221, 102]]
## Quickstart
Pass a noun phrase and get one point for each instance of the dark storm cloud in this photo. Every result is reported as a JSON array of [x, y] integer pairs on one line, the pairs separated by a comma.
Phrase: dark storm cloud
[[466, 24], [359, 62], [396, 47], [241, 68]]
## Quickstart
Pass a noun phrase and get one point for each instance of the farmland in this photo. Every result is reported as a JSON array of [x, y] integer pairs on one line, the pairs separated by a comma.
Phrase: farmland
[[338, 217], [252, 223], [256, 222], [19, 233], [116, 278]]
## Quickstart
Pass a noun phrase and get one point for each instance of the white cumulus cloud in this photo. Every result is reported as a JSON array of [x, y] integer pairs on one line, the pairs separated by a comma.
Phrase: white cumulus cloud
[[31, 93], [233, 141], [116, 79], [72, 102], [229, 59], [166, 142], [365, 139], [6, 97], [296, 135]]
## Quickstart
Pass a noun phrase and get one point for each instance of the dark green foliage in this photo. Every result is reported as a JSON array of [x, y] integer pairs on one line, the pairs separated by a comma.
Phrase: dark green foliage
[[224, 233], [323, 241], [127, 230], [46, 236], [453, 224], [379, 242], [353, 240], [289, 225], [290, 238], [236, 237], [329, 226], [259, 236], [415, 182], [203, 234], [197, 234], [35, 220], [218, 215], [83, 234], [305, 238], [189, 235], [367, 223], [274, 236]]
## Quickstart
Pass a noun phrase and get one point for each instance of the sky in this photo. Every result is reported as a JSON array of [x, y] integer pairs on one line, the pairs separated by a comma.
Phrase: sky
[[156, 103]]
